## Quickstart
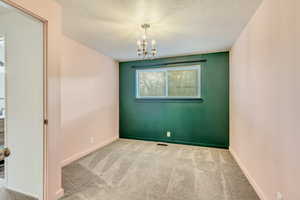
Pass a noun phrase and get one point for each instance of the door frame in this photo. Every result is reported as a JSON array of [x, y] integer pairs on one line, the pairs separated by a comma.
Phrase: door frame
[[45, 90], [3, 180]]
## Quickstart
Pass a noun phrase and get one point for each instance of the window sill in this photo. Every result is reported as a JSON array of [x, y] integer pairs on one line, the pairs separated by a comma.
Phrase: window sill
[[169, 100]]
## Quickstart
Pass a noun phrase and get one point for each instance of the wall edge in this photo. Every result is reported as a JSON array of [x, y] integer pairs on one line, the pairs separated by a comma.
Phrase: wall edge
[[87, 151], [246, 172]]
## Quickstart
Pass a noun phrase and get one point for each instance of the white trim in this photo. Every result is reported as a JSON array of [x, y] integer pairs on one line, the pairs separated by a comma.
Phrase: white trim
[[59, 193], [88, 151], [3, 181], [252, 181], [166, 70]]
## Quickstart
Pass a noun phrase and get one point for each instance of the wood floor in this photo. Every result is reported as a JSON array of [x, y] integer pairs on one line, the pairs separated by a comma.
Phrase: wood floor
[[140, 170]]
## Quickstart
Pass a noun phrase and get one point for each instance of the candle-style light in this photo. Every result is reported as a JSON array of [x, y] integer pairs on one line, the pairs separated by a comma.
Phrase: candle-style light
[[143, 49]]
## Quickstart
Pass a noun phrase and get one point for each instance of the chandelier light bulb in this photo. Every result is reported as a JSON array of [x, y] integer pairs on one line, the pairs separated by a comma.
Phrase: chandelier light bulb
[[153, 42], [143, 50]]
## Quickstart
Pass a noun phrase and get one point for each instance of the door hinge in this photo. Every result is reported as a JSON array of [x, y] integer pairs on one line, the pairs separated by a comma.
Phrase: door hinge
[[45, 121]]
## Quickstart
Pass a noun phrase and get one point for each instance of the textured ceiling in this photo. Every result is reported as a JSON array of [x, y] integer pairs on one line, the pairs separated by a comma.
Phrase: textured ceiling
[[179, 26]]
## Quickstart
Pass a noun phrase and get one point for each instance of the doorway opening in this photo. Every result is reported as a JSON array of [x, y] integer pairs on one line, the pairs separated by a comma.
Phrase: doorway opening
[[22, 102], [2, 103]]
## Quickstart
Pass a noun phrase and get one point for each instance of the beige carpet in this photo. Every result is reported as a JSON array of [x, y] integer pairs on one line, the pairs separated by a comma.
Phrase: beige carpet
[[140, 170]]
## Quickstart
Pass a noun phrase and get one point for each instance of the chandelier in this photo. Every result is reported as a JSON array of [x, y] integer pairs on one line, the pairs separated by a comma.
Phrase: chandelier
[[144, 50]]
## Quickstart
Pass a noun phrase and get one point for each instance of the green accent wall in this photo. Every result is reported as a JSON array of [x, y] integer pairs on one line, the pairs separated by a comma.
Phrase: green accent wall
[[202, 122]]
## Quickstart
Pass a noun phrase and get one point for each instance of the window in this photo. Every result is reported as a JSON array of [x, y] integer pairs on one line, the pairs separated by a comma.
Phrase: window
[[168, 83]]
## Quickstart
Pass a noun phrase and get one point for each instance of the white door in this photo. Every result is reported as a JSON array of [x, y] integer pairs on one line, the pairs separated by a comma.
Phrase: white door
[[24, 108]]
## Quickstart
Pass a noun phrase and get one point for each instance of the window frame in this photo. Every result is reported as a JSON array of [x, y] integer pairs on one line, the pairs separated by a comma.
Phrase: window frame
[[166, 70]]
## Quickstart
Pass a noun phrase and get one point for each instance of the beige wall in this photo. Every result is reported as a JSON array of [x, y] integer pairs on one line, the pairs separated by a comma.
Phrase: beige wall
[[89, 100], [89, 96], [51, 11], [264, 99]]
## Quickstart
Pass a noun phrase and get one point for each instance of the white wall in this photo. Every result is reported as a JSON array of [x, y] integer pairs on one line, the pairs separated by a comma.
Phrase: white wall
[[90, 100], [264, 99]]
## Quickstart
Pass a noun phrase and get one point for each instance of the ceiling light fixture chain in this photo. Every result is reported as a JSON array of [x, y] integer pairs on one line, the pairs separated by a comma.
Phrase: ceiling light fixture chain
[[143, 47]]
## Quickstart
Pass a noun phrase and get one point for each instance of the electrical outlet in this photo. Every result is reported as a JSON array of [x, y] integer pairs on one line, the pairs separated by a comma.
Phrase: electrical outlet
[[168, 134], [92, 140], [279, 196]]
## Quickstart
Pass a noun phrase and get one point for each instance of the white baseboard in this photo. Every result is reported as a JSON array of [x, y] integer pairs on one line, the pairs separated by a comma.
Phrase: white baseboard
[[257, 189], [60, 193], [88, 151]]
